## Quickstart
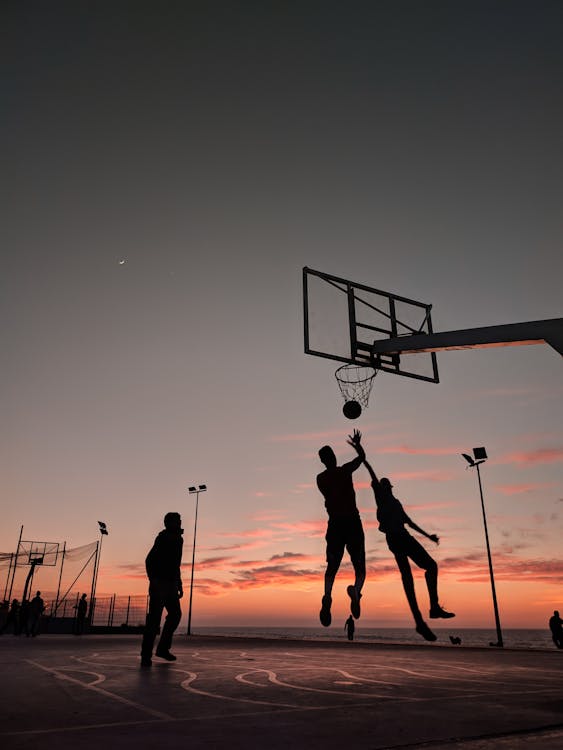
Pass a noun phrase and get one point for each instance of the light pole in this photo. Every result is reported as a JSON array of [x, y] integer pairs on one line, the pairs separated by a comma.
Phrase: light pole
[[194, 491], [479, 457], [103, 532]]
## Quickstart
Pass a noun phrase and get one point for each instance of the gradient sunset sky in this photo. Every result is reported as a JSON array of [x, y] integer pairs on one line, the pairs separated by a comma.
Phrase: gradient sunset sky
[[171, 167]]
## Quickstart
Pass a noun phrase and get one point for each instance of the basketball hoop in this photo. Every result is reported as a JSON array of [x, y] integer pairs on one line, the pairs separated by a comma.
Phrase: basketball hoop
[[355, 383]]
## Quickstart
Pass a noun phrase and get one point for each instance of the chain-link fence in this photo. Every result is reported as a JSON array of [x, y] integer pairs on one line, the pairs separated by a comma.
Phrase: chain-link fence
[[123, 611], [115, 611]]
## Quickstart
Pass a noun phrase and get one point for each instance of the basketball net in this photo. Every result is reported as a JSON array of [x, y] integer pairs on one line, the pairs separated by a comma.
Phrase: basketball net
[[355, 382]]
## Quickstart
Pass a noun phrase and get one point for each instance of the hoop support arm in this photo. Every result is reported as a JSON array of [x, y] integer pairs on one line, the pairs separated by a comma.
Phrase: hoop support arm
[[512, 334]]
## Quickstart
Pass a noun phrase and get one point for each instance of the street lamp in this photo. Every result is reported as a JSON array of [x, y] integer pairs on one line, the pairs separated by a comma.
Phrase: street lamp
[[194, 491], [479, 457], [103, 529]]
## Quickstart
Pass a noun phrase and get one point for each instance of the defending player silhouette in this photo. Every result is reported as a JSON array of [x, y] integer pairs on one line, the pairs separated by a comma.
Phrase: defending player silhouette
[[344, 529], [392, 520]]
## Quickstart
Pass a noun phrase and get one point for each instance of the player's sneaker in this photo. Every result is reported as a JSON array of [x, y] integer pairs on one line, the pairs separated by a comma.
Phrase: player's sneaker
[[324, 614], [354, 601], [437, 612], [165, 654], [423, 630]]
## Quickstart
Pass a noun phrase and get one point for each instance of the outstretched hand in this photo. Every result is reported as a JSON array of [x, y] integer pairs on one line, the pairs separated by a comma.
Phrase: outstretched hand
[[354, 439], [434, 538]]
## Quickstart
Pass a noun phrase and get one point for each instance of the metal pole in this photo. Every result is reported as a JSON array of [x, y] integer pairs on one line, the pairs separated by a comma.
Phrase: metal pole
[[8, 576], [499, 643], [128, 606], [111, 608], [15, 565], [193, 563], [95, 580], [60, 579], [92, 590], [75, 609], [98, 563]]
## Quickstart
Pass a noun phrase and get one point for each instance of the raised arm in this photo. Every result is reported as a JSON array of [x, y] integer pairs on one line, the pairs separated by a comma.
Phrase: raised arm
[[413, 525], [355, 441], [369, 467]]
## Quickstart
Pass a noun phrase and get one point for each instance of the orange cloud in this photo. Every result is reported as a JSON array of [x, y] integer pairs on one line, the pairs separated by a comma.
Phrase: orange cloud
[[212, 587], [538, 456], [428, 475], [421, 451], [506, 568], [236, 547], [518, 489], [259, 533], [212, 562], [130, 572], [283, 560], [431, 506], [276, 575], [308, 528], [268, 515]]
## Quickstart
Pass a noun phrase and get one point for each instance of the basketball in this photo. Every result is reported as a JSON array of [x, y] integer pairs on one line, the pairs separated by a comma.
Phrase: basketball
[[352, 409]]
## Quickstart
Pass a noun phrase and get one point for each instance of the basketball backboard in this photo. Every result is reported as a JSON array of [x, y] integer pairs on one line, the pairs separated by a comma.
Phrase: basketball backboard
[[343, 319], [40, 553]]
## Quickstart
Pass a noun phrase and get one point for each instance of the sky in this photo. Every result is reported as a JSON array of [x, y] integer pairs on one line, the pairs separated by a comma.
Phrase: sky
[[170, 169]]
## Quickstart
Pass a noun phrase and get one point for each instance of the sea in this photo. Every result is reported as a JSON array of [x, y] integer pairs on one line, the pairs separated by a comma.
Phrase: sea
[[475, 637]]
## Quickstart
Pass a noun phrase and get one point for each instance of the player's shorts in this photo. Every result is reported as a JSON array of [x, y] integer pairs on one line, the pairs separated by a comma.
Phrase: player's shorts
[[403, 544], [346, 532]]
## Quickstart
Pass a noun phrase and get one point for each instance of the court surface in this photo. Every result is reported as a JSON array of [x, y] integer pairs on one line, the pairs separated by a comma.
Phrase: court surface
[[89, 692]]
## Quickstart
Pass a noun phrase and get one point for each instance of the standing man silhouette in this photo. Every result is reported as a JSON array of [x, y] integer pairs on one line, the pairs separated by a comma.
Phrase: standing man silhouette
[[556, 627], [344, 529], [81, 609], [36, 609], [349, 626], [12, 618], [392, 519], [165, 589]]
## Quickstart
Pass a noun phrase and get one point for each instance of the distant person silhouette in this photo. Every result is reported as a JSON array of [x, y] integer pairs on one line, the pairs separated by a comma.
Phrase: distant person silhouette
[[23, 618], [344, 529], [81, 610], [392, 519], [455, 640], [4, 609], [12, 618], [349, 626], [36, 609], [556, 627], [165, 589]]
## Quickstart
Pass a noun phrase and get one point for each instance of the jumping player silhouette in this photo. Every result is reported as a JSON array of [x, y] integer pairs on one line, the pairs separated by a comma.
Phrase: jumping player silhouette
[[344, 529], [392, 519]]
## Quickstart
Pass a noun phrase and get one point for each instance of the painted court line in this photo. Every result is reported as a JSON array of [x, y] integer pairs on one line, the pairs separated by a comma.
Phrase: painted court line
[[101, 691], [171, 720], [187, 685]]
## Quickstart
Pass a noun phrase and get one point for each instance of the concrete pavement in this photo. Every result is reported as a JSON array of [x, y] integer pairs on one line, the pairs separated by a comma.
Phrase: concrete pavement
[[90, 692]]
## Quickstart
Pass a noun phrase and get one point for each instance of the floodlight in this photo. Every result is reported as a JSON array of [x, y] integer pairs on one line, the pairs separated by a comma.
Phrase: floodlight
[[194, 491], [480, 456]]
